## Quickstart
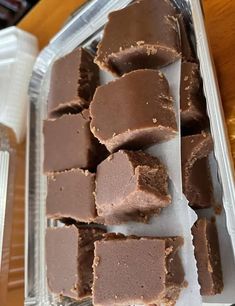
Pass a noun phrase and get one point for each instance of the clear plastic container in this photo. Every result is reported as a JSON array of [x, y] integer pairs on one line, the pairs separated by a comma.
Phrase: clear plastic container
[[86, 29]]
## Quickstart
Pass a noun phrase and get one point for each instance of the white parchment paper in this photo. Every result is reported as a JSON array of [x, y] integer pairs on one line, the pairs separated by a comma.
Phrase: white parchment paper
[[178, 218]]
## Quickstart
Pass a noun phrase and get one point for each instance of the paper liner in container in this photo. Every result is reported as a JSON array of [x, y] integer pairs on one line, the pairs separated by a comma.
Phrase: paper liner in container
[[18, 51]]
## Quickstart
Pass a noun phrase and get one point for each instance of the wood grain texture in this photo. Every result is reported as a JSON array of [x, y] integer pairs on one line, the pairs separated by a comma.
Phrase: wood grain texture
[[220, 23], [47, 18]]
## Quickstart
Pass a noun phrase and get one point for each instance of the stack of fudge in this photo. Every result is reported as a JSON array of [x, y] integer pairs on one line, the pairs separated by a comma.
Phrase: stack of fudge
[[98, 173], [196, 146]]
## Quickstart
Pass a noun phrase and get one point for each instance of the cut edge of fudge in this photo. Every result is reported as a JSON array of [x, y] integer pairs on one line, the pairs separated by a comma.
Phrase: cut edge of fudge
[[157, 134], [196, 175], [201, 146], [70, 217], [148, 179], [109, 63], [207, 255], [80, 240], [73, 107], [174, 272], [85, 260]]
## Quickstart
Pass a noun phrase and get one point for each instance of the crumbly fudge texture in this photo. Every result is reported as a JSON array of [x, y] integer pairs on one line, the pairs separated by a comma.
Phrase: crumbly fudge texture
[[74, 79], [146, 36], [133, 270], [134, 111], [129, 186], [69, 258], [197, 182], [205, 240], [69, 143], [70, 194]]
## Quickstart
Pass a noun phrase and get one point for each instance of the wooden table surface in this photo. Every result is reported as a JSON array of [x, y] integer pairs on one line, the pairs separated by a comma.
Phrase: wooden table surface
[[49, 16]]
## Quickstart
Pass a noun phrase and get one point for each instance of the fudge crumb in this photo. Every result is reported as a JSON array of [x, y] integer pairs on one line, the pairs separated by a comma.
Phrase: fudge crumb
[[141, 42], [96, 261], [110, 157], [168, 250], [204, 134], [86, 172]]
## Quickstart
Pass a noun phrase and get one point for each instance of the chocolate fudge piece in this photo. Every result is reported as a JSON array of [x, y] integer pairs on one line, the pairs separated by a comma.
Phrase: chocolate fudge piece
[[129, 186], [74, 79], [144, 34], [70, 194], [133, 111], [137, 270], [69, 258], [69, 143], [197, 183], [186, 49], [192, 102], [205, 240]]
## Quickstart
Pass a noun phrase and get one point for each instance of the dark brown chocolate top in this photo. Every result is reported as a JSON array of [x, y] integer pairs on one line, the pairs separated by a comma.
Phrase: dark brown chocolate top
[[70, 194], [192, 102], [205, 239], [146, 36], [137, 270], [197, 184], [74, 79], [69, 143], [139, 114], [129, 183], [69, 257]]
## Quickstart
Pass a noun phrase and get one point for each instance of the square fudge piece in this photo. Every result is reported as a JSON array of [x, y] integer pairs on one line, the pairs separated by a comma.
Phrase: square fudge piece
[[206, 244], [70, 194], [129, 186], [69, 143], [197, 182], [139, 114], [146, 36], [134, 270], [74, 79], [69, 257]]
